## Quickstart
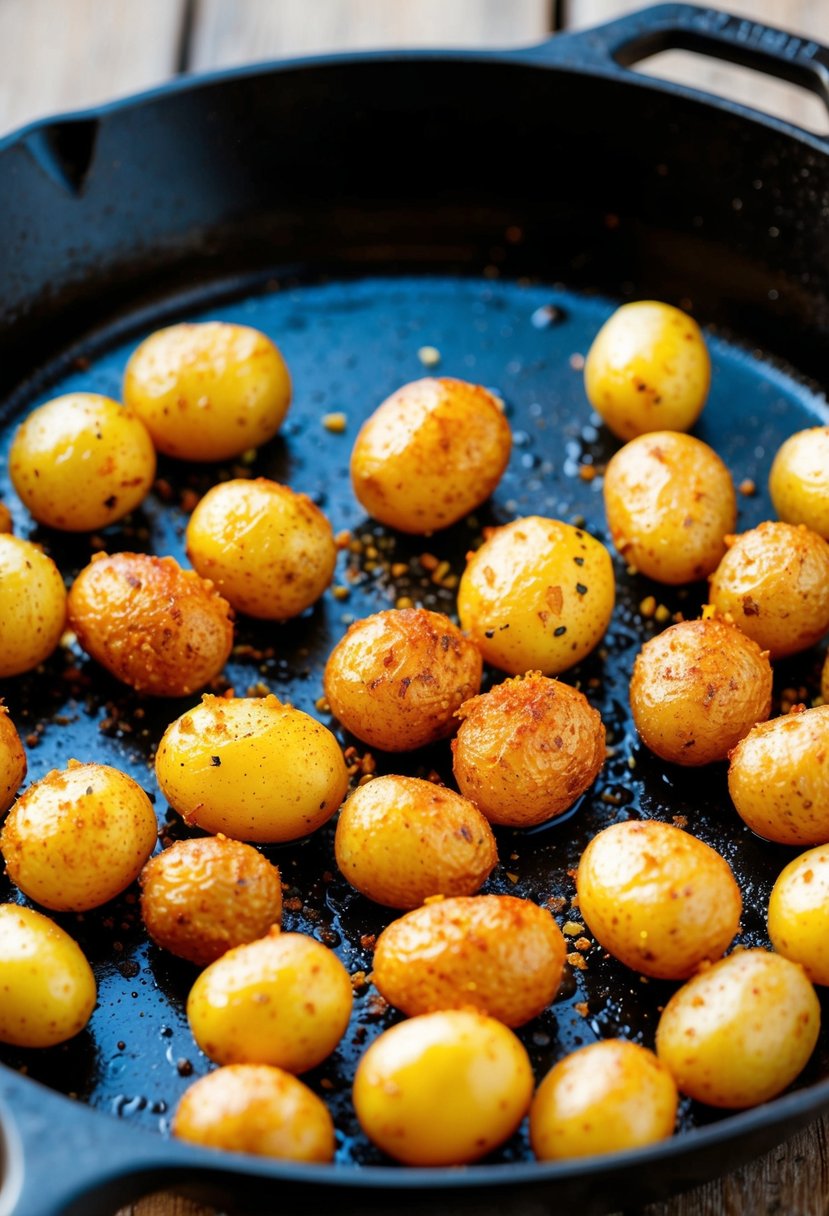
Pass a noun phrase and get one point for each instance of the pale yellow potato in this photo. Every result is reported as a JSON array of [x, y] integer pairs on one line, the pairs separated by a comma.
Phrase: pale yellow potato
[[162, 630], [430, 454], [269, 550], [82, 461], [774, 584], [648, 369], [604, 1098], [657, 898], [32, 605], [5, 519], [444, 1088], [400, 840], [739, 1032], [537, 596], [283, 1000], [255, 1108], [201, 897], [252, 768], [208, 391], [397, 677], [78, 837], [799, 480], [527, 749], [47, 984], [799, 913], [12, 760], [779, 778], [495, 953], [697, 689], [670, 504]]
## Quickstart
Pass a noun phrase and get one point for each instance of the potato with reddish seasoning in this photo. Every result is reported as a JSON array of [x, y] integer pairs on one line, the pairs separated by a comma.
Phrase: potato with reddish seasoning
[[697, 689], [162, 630], [78, 837], [527, 749], [670, 504], [798, 915], [199, 898], [774, 584], [501, 955], [799, 480], [252, 768], [12, 760], [255, 1108], [400, 840], [658, 899], [430, 454], [32, 605], [5, 519], [397, 677]]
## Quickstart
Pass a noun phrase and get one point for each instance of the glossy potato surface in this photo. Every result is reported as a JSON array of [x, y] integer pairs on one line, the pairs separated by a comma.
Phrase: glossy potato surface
[[799, 913], [430, 454], [799, 480], [12, 760], [32, 605]]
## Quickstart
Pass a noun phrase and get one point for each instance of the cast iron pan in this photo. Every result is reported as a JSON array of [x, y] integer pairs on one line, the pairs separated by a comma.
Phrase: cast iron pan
[[356, 209]]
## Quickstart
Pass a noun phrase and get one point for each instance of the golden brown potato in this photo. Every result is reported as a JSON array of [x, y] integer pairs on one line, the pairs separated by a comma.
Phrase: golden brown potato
[[670, 503], [430, 454], [12, 760], [501, 955], [799, 913], [201, 897], [32, 605], [160, 629], [527, 749], [779, 778], [657, 898], [799, 480], [400, 840], [5, 518], [774, 584], [255, 1108], [697, 689], [397, 677]]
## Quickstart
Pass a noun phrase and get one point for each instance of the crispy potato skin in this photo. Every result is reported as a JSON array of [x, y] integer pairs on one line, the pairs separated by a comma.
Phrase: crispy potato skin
[[12, 760], [254, 1108], [738, 1033], [657, 898], [799, 480], [774, 584], [199, 898], [78, 837], [397, 677], [32, 605], [495, 953], [430, 454], [799, 913], [162, 630], [604, 1098], [537, 596], [670, 504], [778, 778], [443, 1089], [400, 840], [527, 750], [697, 689]]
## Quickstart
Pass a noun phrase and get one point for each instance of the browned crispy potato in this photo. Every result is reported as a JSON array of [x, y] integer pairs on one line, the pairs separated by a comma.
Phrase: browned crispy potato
[[5, 518], [397, 677], [774, 583], [160, 629], [400, 840], [12, 760], [527, 749], [495, 953], [697, 689], [201, 897]]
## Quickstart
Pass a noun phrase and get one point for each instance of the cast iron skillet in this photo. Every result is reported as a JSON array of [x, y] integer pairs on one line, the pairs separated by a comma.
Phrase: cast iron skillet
[[358, 208]]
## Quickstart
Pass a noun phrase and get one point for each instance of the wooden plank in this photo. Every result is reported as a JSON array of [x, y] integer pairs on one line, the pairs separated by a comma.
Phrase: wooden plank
[[227, 33], [56, 55]]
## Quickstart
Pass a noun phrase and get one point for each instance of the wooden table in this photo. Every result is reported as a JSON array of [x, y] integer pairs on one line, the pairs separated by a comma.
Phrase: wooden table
[[64, 54]]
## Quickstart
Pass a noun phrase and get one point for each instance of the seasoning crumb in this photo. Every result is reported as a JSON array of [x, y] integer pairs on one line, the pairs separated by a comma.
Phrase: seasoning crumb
[[556, 903], [577, 960], [512, 877], [680, 821], [429, 356], [581, 1007], [184, 1068], [647, 606], [747, 487], [587, 472], [572, 929], [577, 362], [404, 601], [340, 593], [583, 944], [336, 423]]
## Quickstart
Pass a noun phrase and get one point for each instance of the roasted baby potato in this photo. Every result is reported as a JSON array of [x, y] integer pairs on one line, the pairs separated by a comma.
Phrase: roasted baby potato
[[162, 630], [400, 840], [201, 897], [537, 595], [12, 760], [430, 454], [500, 955], [799, 913], [32, 605], [5, 519], [208, 391], [252, 768], [657, 898], [397, 677], [799, 480], [527, 750], [697, 689]]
